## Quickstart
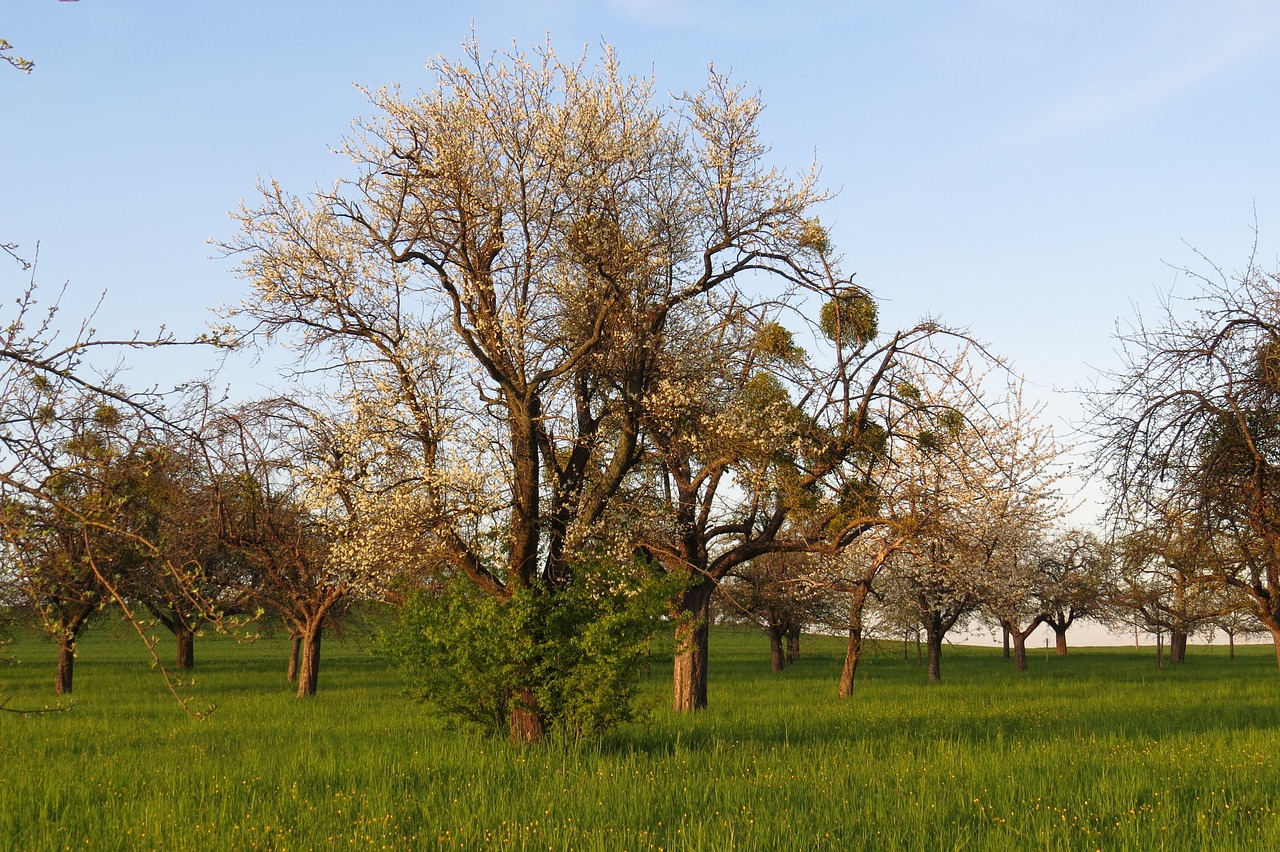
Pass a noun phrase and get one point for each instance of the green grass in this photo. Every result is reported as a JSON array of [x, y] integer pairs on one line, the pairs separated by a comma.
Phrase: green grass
[[1098, 750]]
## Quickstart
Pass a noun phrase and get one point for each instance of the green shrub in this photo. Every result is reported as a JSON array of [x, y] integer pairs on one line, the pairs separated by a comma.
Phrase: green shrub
[[575, 651]]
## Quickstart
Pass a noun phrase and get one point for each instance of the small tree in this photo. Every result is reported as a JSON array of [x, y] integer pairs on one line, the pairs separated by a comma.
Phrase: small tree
[[773, 592], [1077, 572], [73, 547], [1167, 579], [297, 499], [979, 489]]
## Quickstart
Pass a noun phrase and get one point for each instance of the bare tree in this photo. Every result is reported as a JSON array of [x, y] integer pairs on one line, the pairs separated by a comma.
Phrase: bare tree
[[1188, 426], [1077, 573]]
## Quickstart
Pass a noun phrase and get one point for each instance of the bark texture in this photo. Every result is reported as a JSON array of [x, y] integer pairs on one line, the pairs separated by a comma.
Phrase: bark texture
[[692, 636]]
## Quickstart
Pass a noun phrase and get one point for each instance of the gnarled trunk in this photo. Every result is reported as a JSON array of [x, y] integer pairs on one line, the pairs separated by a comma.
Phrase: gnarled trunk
[[1004, 632], [1060, 640], [793, 644], [66, 666], [691, 650]]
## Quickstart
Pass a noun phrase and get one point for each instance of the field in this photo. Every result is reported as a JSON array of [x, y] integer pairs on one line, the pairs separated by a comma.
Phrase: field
[[1098, 750]]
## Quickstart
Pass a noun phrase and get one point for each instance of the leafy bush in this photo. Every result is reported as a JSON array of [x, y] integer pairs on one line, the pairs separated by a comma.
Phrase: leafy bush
[[575, 651]]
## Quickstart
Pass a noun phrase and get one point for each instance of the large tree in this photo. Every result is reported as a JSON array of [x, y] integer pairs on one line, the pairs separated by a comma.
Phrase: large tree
[[1189, 424], [492, 292]]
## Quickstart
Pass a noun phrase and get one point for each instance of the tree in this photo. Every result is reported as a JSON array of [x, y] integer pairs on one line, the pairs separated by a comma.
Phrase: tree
[[1167, 579], [980, 489], [1188, 425], [771, 591], [766, 449], [490, 295], [1076, 569], [1235, 618], [189, 576], [72, 550], [290, 489]]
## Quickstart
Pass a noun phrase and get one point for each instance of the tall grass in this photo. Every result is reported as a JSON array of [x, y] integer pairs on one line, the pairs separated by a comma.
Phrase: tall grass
[[1098, 750]]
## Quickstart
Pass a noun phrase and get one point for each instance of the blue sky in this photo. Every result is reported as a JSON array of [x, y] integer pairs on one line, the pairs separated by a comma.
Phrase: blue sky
[[1028, 169]]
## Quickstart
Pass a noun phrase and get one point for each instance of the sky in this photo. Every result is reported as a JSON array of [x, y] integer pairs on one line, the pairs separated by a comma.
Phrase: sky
[[1032, 170]]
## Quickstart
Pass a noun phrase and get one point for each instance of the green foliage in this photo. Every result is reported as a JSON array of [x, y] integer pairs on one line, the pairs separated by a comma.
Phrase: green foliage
[[575, 651], [814, 237], [951, 421], [858, 499], [908, 392], [773, 342], [763, 392], [851, 317]]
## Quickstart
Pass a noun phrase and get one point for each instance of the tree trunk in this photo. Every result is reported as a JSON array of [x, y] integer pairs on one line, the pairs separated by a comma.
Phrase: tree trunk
[[186, 638], [1019, 650], [66, 666], [309, 664], [1004, 630], [527, 726], [692, 633], [1231, 646], [295, 642], [777, 656], [854, 653], [851, 657], [1060, 637], [1159, 650], [933, 637], [1178, 646], [793, 644], [1275, 640]]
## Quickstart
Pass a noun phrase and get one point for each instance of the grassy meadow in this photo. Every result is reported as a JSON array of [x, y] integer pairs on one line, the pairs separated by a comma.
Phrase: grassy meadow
[[1098, 750]]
